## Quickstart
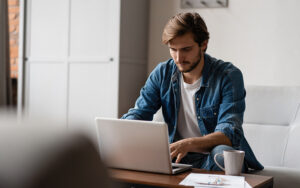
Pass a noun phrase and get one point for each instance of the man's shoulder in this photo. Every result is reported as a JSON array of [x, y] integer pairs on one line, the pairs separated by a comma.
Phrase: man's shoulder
[[218, 65], [168, 64], [165, 68]]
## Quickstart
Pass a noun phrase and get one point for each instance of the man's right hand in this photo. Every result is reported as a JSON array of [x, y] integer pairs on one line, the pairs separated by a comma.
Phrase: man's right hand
[[180, 148]]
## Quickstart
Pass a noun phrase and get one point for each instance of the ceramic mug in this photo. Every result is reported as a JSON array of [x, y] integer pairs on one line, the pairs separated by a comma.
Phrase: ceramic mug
[[233, 161]]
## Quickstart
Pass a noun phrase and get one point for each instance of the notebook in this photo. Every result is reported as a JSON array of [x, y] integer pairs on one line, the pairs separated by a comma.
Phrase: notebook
[[136, 145]]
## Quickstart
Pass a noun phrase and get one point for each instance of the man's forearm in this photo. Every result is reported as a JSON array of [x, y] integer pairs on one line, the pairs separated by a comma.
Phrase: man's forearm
[[207, 142]]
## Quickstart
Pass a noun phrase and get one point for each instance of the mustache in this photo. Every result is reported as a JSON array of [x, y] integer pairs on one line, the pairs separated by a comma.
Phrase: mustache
[[185, 62]]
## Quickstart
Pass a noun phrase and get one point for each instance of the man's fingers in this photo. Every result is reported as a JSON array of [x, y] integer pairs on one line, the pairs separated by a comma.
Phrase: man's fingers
[[179, 157], [172, 148], [173, 154]]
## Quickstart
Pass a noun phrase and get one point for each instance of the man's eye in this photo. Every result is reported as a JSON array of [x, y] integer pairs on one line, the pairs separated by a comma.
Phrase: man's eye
[[186, 49]]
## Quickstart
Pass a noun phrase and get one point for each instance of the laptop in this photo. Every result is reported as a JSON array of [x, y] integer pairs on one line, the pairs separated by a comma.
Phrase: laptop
[[136, 145]]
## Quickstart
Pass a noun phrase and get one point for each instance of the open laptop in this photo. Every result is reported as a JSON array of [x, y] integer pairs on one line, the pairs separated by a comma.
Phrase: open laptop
[[136, 145]]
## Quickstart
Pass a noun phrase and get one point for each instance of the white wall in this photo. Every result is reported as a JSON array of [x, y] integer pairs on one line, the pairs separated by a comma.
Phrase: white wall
[[261, 37]]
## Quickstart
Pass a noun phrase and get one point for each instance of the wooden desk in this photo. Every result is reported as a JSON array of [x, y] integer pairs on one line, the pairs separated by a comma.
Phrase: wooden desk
[[162, 180]]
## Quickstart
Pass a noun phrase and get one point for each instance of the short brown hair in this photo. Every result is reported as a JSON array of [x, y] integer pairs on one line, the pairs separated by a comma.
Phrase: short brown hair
[[183, 23]]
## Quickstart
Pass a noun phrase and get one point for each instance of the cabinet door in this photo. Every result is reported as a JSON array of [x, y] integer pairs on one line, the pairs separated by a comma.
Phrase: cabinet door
[[72, 60], [46, 68], [93, 61]]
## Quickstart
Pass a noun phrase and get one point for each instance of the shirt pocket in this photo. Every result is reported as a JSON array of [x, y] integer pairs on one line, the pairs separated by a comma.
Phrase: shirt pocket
[[210, 117]]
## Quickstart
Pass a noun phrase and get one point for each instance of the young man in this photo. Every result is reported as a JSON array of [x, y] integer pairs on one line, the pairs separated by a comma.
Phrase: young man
[[202, 98]]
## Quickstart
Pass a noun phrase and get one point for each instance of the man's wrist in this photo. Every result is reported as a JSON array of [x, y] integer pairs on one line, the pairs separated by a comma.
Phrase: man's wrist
[[194, 144]]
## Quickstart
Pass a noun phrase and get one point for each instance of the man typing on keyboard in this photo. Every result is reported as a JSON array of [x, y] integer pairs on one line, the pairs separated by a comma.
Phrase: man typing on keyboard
[[202, 98]]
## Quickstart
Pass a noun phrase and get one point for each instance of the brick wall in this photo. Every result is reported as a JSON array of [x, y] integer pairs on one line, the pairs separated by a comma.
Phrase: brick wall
[[13, 15]]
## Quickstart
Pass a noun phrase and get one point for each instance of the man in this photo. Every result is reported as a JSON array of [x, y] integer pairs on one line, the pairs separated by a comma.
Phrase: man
[[202, 98]]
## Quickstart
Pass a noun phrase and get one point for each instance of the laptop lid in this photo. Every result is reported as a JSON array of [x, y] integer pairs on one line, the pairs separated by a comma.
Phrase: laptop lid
[[135, 145]]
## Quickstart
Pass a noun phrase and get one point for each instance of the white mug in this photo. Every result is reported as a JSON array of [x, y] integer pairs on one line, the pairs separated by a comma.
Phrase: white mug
[[233, 161]]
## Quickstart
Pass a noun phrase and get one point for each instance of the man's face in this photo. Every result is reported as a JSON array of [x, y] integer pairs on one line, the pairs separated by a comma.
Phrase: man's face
[[185, 52]]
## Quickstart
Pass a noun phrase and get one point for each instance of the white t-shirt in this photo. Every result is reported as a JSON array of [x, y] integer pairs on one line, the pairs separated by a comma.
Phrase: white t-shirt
[[187, 119]]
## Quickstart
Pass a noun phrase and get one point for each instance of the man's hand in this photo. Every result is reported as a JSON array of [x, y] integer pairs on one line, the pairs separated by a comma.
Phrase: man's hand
[[180, 148]]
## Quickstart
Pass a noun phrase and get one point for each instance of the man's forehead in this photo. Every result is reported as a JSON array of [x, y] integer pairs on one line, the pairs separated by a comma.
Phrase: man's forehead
[[181, 44], [182, 41]]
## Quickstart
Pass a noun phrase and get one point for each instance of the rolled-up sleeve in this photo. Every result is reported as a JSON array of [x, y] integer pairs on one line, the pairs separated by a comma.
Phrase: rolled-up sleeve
[[232, 107]]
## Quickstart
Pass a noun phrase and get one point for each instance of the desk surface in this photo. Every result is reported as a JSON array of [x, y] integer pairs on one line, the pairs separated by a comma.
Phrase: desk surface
[[164, 180]]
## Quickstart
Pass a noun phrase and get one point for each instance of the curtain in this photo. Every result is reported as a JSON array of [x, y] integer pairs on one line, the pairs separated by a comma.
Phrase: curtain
[[5, 81]]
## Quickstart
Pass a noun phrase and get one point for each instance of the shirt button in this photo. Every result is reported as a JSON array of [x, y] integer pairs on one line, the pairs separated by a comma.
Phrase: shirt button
[[215, 113], [197, 99], [199, 117]]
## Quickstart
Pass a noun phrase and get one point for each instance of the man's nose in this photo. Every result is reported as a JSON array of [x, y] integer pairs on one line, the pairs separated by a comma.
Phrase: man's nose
[[179, 56]]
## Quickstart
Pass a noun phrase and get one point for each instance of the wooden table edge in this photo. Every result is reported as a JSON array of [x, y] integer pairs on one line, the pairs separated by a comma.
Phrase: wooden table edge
[[115, 174]]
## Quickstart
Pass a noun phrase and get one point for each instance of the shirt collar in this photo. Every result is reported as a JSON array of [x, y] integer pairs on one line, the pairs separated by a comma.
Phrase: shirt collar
[[206, 70]]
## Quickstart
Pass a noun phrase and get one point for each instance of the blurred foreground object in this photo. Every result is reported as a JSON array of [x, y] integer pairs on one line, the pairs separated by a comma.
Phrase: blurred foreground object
[[32, 156]]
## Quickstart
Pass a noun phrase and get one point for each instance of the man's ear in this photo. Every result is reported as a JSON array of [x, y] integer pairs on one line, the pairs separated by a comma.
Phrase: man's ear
[[204, 45]]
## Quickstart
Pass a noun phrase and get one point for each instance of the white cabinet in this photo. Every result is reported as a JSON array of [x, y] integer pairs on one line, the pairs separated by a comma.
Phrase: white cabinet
[[84, 58]]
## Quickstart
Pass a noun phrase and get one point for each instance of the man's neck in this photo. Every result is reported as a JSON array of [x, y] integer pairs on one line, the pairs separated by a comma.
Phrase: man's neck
[[194, 75]]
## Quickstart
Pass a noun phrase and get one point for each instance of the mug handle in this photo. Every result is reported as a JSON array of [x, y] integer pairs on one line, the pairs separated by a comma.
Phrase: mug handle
[[215, 159]]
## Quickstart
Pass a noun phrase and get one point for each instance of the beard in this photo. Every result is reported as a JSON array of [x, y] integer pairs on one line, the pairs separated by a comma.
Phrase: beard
[[193, 65]]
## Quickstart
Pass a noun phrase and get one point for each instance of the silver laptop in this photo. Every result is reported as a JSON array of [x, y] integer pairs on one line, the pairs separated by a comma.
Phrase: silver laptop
[[136, 145]]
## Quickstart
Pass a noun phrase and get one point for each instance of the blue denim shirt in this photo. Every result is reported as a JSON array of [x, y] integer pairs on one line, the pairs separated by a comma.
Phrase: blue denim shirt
[[220, 101]]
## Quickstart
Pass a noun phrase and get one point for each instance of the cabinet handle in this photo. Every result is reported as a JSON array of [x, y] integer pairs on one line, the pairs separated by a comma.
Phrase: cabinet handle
[[111, 59]]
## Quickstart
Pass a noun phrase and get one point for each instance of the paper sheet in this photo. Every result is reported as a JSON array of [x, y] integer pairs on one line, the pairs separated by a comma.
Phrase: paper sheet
[[213, 180], [247, 185]]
